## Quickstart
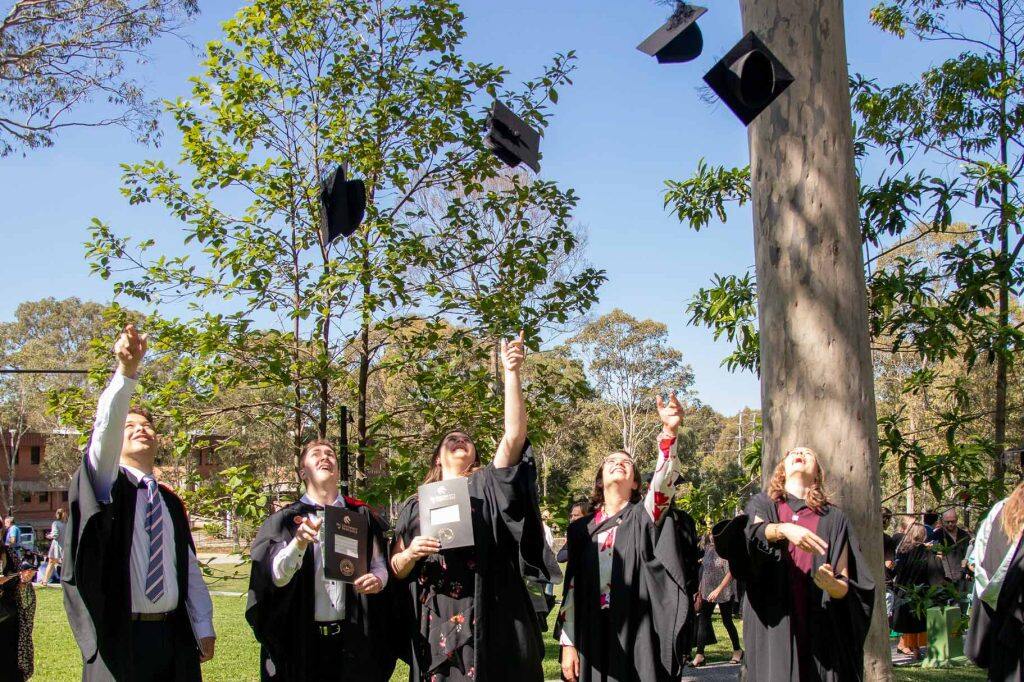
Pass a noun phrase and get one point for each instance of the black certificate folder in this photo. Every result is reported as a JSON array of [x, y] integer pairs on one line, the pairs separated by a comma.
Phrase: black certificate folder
[[346, 544], [445, 512]]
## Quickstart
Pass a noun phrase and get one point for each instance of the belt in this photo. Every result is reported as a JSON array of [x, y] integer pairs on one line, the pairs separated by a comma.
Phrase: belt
[[329, 629], [149, 617]]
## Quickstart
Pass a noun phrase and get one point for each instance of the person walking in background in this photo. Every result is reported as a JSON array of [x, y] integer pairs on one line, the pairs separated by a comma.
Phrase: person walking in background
[[952, 550], [995, 638], [12, 535], [717, 588], [576, 512], [55, 555], [917, 568]]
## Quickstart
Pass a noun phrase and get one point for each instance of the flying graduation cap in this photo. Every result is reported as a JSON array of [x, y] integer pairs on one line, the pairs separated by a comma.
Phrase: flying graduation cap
[[511, 139], [748, 78], [679, 39], [342, 205]]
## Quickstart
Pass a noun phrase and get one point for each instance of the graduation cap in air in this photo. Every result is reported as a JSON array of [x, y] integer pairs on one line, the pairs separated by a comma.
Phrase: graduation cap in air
[[342, 205], [679, 39], [511, 139], [748, 78]]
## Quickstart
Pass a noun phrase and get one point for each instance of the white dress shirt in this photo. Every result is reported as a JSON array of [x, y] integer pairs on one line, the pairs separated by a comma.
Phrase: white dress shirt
[[104, 462], [288, 560]]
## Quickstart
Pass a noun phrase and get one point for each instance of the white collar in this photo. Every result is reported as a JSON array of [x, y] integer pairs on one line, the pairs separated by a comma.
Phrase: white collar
[[135, 475], [340, 502]]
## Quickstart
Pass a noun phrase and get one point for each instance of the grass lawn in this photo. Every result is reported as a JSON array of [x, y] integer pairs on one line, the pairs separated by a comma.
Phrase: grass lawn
[[58, 659]]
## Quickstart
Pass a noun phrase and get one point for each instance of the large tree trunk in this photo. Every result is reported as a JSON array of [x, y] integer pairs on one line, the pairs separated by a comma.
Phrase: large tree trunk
[[817, 387]]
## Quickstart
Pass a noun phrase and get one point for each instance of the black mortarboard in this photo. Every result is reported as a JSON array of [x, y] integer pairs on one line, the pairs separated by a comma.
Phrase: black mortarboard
[[748, 78], [679, 39], [511, 139], [730, 541], [342, 205]]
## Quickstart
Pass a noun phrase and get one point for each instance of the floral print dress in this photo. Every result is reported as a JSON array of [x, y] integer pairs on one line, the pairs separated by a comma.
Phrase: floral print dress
[[472, 615]]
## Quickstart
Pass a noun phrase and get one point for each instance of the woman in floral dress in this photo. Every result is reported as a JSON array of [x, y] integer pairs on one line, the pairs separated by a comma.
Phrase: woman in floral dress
[[469, 613]]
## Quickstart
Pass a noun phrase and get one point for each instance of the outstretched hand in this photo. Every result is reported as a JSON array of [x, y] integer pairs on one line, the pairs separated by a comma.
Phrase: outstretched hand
[[670, 413], [513, 353], [129, 349]]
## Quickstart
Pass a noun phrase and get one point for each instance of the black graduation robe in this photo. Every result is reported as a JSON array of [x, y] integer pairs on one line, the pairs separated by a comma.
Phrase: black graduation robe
[[9, 612], [995, 638], [469, 607], [838, 626], [282, 618], [654, 578], [97, 579]]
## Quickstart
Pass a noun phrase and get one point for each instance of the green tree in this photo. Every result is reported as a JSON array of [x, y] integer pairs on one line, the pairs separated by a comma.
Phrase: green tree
[[628, 362], [57, 56], [44, 334], [951, 162], [294, 88]]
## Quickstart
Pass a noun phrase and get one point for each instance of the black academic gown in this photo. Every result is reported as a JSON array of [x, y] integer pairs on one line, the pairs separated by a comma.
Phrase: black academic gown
[[9, 611], [838, 626], [643, 637], [995, 638], [282, 618], [97, 579], [470, 606]]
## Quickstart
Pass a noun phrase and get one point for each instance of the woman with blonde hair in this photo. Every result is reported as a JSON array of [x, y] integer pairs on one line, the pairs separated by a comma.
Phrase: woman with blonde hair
[[809, 594], [995, 639]]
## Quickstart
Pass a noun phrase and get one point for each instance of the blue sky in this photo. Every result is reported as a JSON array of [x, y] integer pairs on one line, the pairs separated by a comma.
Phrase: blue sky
[[624, 127]]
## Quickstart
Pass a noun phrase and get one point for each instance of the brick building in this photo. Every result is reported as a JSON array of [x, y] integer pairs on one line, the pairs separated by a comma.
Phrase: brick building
[[36, 500]]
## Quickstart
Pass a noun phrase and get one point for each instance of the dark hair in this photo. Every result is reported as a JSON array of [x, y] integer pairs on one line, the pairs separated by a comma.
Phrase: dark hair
[[143, 412], [930, 517], [597, 496], [435, 473], [582, 504], [309, 445]]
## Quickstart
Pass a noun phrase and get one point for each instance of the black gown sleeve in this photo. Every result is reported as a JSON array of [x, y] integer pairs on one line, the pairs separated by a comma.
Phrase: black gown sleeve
[[515, 519], [267, 605], [851, 615]]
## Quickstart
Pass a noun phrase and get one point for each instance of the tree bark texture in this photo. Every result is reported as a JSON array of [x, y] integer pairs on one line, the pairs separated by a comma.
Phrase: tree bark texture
[[817, 386]]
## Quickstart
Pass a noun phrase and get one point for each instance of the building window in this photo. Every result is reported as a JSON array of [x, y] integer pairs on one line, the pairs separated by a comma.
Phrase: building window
[[35, 453], [64, 496], [24, 498], [44, 498]]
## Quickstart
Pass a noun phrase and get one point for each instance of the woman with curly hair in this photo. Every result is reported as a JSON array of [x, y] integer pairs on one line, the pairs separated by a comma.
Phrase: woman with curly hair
[[809, 594], [995, 639], [632, 572]]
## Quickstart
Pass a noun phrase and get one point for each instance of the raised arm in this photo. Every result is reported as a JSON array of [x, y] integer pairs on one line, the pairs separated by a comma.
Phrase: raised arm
[[662, 489], [108, 429], [513, 354]]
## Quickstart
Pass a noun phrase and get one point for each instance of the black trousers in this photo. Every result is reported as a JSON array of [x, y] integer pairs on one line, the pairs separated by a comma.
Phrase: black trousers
[[704, 626], [334, 658], [153, 650]]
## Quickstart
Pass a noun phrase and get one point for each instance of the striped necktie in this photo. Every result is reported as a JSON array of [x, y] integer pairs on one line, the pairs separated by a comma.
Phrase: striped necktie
[[154, 529]]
